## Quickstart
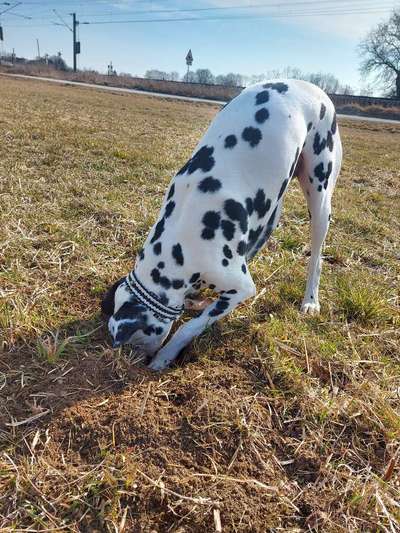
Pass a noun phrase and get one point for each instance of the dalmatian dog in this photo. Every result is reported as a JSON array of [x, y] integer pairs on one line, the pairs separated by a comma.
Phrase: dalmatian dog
[[221, 208]]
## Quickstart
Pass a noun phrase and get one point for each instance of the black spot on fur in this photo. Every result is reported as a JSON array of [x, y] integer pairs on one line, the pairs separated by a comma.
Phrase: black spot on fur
[[149, 330], [161, 265], [277, 86], [209, 184], [221, 306], [231, 291], [202, 160], [211, 286], [329, 141], [165, 282], [323, 176], [283, 189], [241, 248], [159, 229], [319, 145], [261, 204], [252, 135], [227, 252], [131, 309], [262, 115], [141, 255], [177, 254], [126, 330], [262, 97], [195, 277], [267, 234], [169, 208], [249, 206], [323, 111], [164, 298], [244, 269], [171, 192], [230, 141], [155, 275], [208, 234], [228, 229], [309, 126], [236, 211], [211, 219], [157, 248], [254, 235], [177, 283], [225, 262], [334, 124]]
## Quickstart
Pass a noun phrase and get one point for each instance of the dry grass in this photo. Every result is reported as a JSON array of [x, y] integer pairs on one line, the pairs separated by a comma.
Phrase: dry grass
[[198, 90], [271, 421], [390, 113]]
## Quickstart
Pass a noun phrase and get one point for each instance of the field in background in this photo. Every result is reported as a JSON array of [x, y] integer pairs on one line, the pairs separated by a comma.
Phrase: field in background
[[271, 420], [347, 105]]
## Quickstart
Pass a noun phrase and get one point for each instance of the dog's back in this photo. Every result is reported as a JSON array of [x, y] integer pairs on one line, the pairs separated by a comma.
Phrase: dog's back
[[226, 200]]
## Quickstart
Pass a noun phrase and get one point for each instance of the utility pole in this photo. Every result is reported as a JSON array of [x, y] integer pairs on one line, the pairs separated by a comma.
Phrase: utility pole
[[38, 48], [74, 25], [76, 45]]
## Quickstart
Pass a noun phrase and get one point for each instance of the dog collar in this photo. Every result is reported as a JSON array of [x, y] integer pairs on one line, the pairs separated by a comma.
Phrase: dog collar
[[149, 299]]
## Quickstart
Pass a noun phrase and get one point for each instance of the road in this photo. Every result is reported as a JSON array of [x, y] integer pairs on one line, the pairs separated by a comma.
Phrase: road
[[172, 96]]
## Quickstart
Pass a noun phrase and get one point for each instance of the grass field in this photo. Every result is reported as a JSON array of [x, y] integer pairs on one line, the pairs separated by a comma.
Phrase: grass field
[[271, 421]]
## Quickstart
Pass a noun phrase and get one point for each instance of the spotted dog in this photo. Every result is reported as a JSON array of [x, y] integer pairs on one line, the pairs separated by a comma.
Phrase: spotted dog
[[222, 207]]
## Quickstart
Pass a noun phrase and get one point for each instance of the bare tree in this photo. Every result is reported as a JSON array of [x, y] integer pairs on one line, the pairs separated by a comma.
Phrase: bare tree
[[381, 52], [325, 80], [204, 75], [229, 80]]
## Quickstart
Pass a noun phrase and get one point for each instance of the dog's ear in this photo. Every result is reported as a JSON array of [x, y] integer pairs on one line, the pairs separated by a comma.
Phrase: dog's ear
[[107, 304], [126, 330]]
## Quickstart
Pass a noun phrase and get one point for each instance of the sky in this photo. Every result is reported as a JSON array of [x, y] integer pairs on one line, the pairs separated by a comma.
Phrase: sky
[[326, 41]]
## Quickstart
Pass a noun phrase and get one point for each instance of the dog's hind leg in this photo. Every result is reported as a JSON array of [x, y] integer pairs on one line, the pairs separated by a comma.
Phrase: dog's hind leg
[[317, 174]]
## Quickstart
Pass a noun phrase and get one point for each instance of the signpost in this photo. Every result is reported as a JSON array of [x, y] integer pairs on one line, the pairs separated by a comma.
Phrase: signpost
[[189, 62]]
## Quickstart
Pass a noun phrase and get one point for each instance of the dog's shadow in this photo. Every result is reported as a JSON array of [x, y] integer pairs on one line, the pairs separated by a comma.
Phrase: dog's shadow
[[57, 369], [75, 362]]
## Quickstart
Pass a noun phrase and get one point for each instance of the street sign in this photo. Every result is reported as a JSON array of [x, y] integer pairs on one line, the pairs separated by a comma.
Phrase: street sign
[[189, 58]]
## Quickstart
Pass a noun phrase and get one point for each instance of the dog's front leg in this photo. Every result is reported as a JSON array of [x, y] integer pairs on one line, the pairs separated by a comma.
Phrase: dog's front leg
[[188, 331]]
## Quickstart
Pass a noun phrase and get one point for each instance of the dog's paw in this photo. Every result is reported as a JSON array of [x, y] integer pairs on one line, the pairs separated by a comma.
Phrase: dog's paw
[[310, 308], [158, 364]]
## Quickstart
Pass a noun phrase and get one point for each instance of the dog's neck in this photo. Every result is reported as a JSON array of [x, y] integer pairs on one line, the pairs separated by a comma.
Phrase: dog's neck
[[166, 295], [160, 307]]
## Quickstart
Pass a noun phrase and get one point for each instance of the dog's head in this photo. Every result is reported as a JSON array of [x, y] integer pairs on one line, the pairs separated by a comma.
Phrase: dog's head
[[132, 322]]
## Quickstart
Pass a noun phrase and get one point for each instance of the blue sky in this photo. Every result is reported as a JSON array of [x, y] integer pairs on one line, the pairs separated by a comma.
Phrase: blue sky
[[248, 46]]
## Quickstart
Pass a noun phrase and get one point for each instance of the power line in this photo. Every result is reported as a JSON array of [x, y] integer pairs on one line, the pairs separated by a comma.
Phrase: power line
[[329, 10], [231, 7], [62, 20], [10, 7], [242, 17], [308, 8], [311, 3]]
